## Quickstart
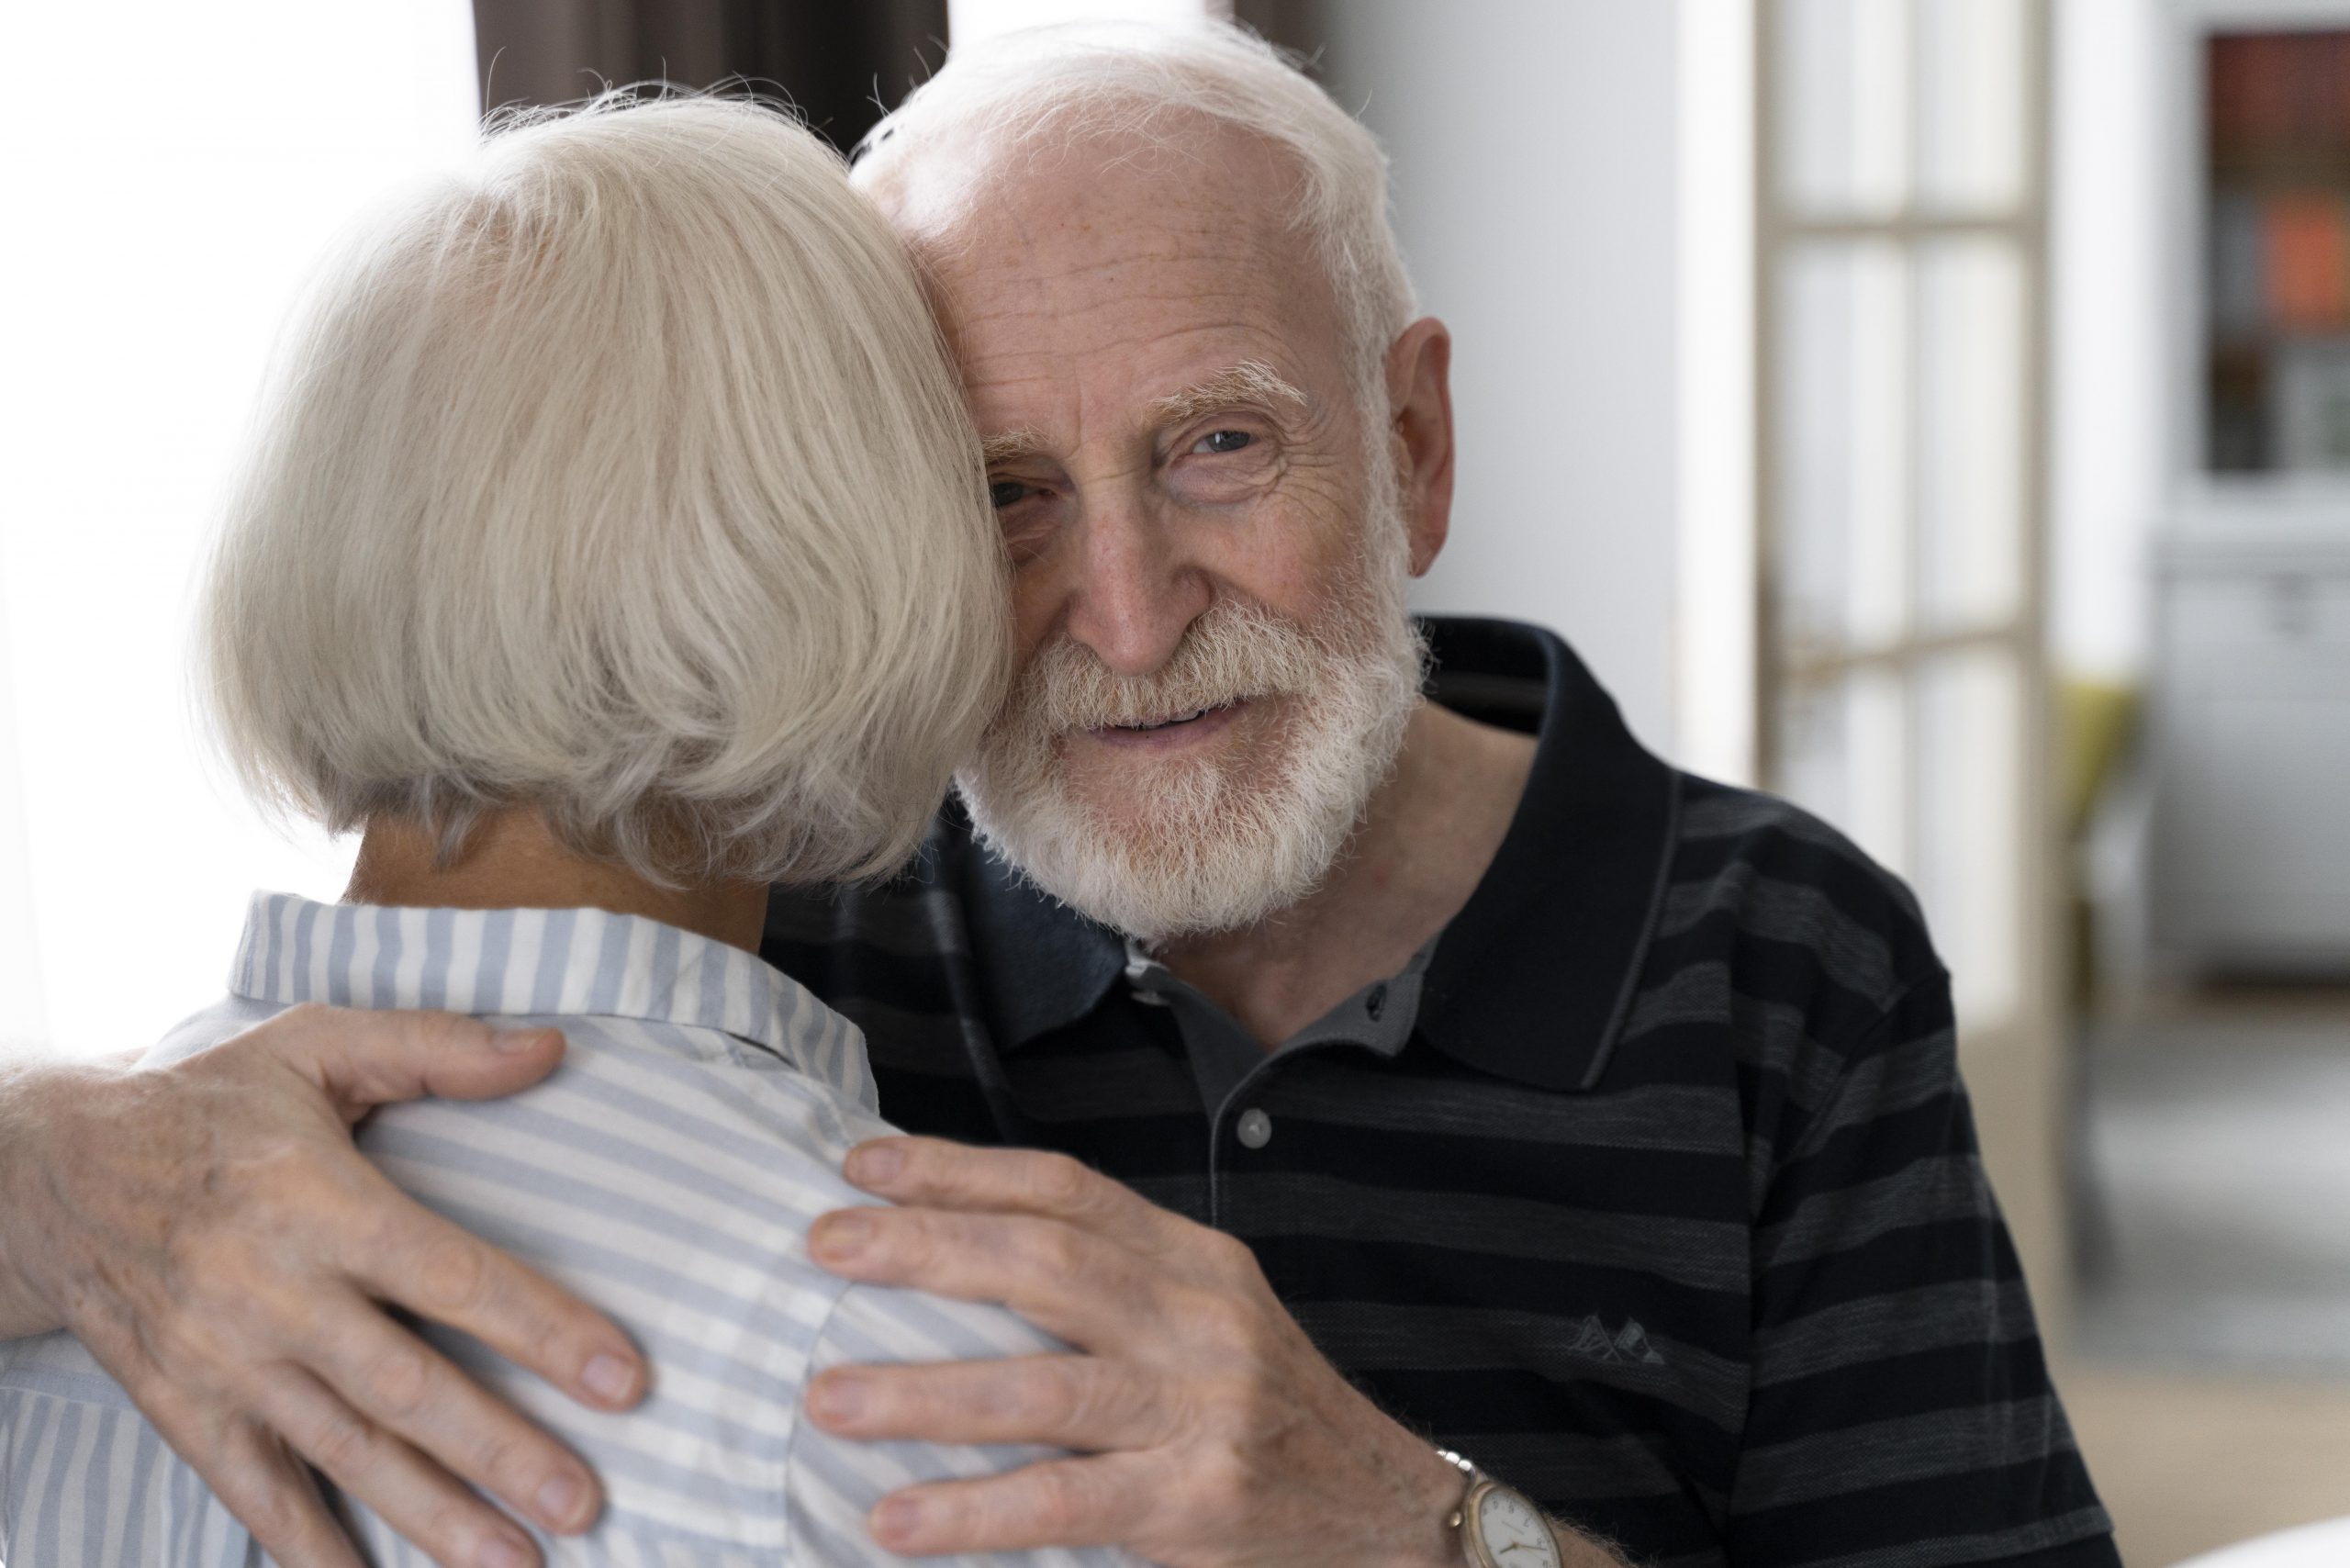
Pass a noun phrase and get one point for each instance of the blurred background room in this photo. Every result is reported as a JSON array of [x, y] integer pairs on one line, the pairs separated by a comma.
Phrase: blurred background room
[[1935, 411]]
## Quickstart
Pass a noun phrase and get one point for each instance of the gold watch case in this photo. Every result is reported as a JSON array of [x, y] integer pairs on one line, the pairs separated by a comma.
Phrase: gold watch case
[[1500, 1528]]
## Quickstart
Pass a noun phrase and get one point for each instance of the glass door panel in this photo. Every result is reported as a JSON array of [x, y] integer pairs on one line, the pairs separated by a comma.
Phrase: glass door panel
[[1842, 563], [1844, 750], [1971, 118], [1969, 769], [1971, 330], [1843, 136]]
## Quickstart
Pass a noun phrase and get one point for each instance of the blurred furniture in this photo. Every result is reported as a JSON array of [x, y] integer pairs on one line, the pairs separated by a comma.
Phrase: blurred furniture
[[2325, 1545], [2251, 701], [2252, 726], [2097, 724]]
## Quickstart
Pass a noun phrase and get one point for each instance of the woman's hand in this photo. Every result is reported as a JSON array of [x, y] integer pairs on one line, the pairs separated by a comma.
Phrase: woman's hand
[[210, 1233]]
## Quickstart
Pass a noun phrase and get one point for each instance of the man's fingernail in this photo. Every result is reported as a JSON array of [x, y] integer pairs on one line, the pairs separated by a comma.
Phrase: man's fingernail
[[843, 1236], [503, 1551], [876, 1163], [839, 1397], [559, 1499], [896, 1521], [608, 1377], [511, 1040]]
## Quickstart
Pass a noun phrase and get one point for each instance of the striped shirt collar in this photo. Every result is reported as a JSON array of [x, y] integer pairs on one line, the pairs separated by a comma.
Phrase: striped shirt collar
[[541, 963]]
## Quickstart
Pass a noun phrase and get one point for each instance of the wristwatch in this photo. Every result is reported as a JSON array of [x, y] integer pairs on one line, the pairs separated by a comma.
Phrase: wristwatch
[[1500, 1527]]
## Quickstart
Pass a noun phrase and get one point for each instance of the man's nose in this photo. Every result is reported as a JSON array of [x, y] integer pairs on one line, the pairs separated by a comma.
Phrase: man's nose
[[1137, 590]]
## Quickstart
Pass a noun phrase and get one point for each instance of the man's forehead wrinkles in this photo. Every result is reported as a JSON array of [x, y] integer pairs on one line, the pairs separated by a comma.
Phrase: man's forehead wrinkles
[[1099, 282], [1123, 310]]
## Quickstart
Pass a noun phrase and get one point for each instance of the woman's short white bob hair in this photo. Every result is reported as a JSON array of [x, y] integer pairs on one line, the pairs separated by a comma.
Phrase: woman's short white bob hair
[[622, 475]]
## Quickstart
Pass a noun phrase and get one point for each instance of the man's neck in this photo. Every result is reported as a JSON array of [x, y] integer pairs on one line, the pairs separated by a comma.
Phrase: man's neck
[[512, 861], [1429, 834]]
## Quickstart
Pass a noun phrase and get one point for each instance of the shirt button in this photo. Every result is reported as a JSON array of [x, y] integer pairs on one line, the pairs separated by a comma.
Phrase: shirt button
[[1256, 1129], [1376, 1003]]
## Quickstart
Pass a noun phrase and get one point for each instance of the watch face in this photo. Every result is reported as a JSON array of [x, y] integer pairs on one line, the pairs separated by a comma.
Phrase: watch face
[[1512, 1531]]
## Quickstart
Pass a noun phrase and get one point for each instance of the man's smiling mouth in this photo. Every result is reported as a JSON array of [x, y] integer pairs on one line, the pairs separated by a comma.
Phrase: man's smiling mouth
[[1171, 720], [1164, 723]]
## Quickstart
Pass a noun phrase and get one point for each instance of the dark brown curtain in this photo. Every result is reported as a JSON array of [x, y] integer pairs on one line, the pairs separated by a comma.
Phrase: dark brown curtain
[[1300, 25], [840, 61]]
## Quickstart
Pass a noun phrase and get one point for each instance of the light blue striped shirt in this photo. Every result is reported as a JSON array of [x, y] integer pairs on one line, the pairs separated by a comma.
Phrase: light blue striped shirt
[[667, 1172]]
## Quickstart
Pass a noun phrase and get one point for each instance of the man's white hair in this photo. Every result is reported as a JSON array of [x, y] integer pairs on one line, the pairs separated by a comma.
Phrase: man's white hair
[[622, 475], [1043, 88]]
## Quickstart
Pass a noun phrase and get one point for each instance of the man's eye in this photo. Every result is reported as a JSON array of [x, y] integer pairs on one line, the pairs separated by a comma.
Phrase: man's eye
[[1225, 441], [1004, 493]]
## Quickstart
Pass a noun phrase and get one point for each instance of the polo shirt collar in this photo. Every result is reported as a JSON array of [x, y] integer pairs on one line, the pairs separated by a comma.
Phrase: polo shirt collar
[[1042, 965], [1534, 977], [1578, 881]]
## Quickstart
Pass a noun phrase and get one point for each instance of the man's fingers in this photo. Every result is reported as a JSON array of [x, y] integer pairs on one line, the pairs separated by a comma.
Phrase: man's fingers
[[1072, 1401], [1064, 1502], [273, 1494], [415, 1497], [363, 1058], [406, 1388], [936, 1174], [439, 1271], [1069, 1282], [248, 1470]]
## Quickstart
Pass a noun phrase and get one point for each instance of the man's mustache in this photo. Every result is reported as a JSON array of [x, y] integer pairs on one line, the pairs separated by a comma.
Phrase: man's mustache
[[1235, 651]]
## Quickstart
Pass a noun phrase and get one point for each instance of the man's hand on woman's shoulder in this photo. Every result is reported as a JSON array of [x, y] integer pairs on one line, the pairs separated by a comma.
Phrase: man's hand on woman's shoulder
[[1208, 1431], [208, 1230]]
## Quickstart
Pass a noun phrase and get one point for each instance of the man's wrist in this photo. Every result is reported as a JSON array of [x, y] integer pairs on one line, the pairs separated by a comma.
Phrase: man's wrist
[[1439, 1497], [1576, 1548]]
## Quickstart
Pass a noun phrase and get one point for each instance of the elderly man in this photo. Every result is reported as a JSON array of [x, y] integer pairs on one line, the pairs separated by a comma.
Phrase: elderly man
[[1444, 1071]]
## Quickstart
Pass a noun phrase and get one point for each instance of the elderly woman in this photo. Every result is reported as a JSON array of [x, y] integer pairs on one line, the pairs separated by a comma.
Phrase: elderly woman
[[614, 546]]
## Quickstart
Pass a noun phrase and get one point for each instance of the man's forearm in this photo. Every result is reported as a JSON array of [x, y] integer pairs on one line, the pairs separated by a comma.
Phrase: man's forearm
[[31, 1093]]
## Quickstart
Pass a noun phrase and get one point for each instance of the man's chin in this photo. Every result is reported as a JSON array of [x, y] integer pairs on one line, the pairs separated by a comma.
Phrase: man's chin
[[1185, 868]]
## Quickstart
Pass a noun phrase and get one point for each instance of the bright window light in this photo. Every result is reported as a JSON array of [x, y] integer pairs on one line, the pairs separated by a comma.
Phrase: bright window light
[[968, 21], [165, 214]]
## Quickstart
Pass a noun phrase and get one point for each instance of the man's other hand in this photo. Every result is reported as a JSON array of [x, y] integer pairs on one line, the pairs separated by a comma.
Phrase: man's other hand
[[211, 1234], [1211, 1433]]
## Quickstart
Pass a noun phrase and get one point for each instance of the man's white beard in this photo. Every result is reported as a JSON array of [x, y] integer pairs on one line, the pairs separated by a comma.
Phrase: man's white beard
[[1212, 844]]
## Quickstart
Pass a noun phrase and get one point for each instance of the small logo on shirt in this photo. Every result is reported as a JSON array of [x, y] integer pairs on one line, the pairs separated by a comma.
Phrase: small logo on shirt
[[1629, 1343]]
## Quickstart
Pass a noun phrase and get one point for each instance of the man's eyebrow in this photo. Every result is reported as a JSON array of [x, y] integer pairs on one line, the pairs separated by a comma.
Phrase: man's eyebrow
[[1250, 381], [1011, 446]]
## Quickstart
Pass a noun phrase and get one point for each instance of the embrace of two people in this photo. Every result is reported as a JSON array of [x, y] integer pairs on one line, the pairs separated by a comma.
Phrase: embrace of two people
[[1315, 1045]]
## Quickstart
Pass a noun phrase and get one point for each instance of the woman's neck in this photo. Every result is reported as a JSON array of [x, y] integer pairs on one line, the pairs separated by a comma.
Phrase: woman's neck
[[512, 861]]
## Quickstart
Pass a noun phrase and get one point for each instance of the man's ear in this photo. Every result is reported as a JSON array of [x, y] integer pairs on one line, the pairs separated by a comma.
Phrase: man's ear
[[1419, 400]]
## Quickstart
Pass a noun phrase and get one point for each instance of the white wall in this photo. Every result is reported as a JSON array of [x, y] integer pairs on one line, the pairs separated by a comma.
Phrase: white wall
[[24, 1016], [1534, 144], [174, 208]]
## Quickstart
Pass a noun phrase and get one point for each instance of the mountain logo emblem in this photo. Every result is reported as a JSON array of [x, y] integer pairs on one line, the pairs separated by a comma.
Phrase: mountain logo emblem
[[1595, 1340]]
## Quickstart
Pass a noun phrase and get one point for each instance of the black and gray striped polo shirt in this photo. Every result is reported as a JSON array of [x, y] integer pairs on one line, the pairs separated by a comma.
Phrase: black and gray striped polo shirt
[[1665, 1207]]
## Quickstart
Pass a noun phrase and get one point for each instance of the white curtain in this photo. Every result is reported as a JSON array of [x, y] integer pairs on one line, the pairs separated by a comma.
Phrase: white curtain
[[175, 173]]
